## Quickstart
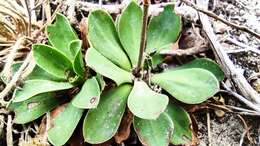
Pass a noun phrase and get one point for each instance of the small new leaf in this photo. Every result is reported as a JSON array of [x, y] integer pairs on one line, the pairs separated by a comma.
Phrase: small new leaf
[[78, 63]]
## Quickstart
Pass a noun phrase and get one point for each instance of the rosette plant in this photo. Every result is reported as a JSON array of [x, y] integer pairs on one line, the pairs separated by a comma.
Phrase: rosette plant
[[60, 79], [117, 53], [58, 75]]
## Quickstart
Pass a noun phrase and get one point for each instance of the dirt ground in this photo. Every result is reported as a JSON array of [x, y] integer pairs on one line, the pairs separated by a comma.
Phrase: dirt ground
[[229, 130]]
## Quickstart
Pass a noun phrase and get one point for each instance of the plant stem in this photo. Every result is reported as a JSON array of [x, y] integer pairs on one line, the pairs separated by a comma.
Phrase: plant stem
[[143, 39]]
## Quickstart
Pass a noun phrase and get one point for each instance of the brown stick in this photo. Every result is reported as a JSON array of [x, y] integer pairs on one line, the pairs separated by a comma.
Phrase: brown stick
[[143, 39], [228, 67], [185, 52], [213, 15]]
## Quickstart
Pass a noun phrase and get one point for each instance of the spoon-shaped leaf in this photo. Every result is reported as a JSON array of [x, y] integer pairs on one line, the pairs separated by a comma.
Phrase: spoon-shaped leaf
[[163, 30], [64, 124], [154, 132], [144, 103], [101, 123], [78, 63], [182, 134], [89, 95], [104, 38], [52, 61], [207, 64], [34, 107], [60, 34], [190, 86], [35, 87], [105, 67], [129, 30], [37, 73]]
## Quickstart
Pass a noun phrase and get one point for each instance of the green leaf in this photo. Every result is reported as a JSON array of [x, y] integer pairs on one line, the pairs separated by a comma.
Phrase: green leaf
[[78, 63], [117, 22], [101, 82], [89, 95], [34, 107], [37, 73], [102, 123], [157, 59], [60, 34], [154, 132], [190, 86], [40, 74], [52, 61], [129, 30], [64, 125], [182, 134], [206, 64], [103, 37], [163, 30], [145, 103], [35, 87], [105, 67]]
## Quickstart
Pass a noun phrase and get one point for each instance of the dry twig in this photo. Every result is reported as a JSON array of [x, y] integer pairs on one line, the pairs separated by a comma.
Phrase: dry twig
[[9, 130], [185, 52], [15, 78], [7, 71]]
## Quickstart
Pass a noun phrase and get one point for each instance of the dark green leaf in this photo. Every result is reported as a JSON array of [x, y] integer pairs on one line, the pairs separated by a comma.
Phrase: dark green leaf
[[35, 87], [105, 67], [182, 134], [60, 34], [34, 107], [89, 95], [104, 38], [78, 63], [207, 64], [52, 61], [163, 30], [64, 124], [145, 103], [37, 73], [190, 86], [102, 123], [129, 30], [154, 132]]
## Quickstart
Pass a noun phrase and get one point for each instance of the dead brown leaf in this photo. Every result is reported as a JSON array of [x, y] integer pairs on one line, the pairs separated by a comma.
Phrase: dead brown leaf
[[125, 128], [83, 27]]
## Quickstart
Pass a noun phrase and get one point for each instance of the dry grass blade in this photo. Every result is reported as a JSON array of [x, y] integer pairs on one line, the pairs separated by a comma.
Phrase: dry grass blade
[[19, 21], [7, 71], [6, 31]]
